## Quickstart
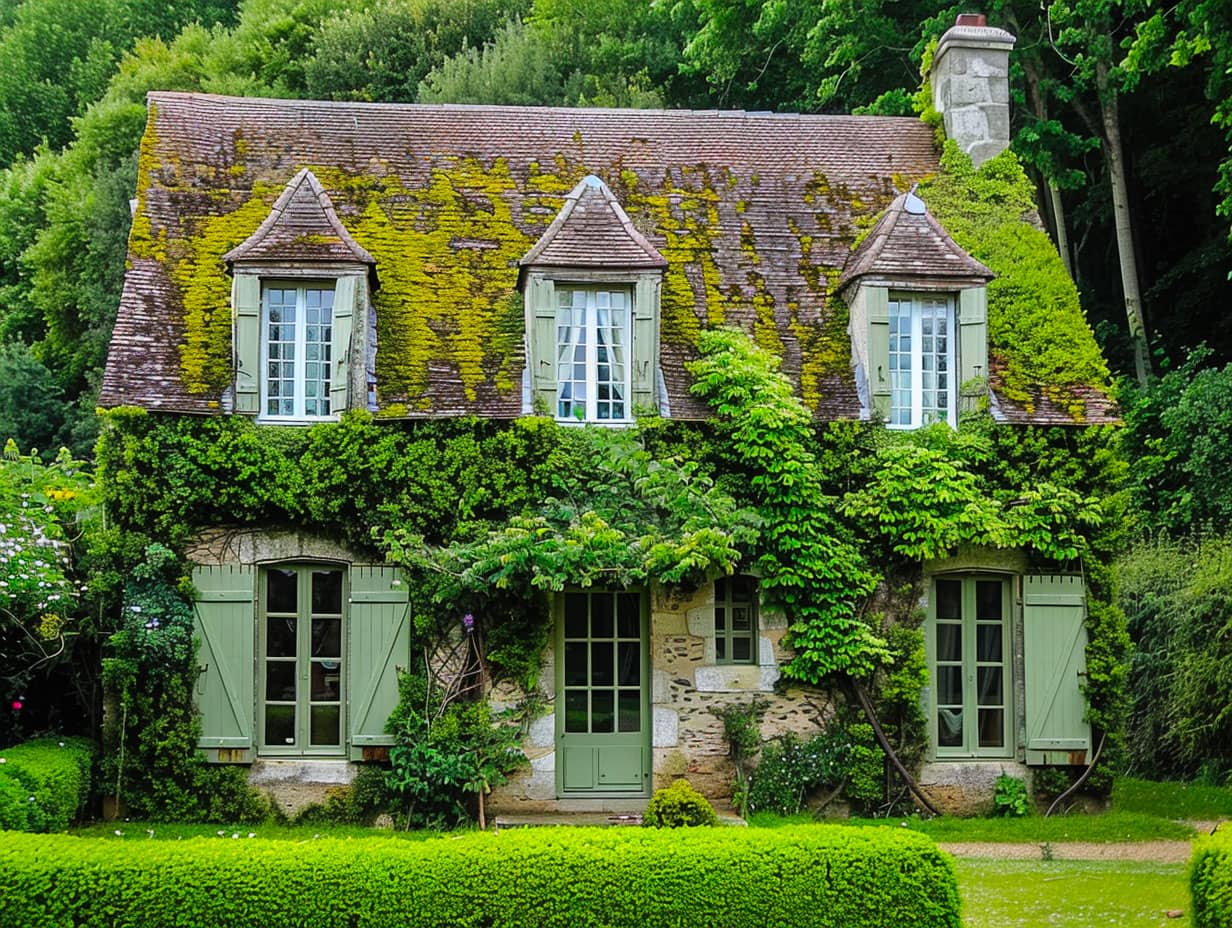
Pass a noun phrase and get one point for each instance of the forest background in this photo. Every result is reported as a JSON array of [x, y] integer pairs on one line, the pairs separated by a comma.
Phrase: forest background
[[1122, 113]]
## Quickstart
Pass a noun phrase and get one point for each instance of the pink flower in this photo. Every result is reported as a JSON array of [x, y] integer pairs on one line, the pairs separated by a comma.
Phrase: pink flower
[[16, 705]]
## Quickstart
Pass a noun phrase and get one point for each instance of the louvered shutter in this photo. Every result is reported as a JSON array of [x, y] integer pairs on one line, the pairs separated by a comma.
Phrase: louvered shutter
[[246, 299], [225, 626], [380, 642], [1054, 657]]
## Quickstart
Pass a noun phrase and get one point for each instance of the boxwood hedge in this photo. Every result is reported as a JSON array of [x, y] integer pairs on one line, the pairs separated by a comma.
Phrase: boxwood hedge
[[531, 878], [44, 784], [1210, 881]]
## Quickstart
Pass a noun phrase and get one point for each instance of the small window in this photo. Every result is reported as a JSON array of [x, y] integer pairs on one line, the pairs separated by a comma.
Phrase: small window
[[735, 620], [593, 342], [922, 389], [296, 336]]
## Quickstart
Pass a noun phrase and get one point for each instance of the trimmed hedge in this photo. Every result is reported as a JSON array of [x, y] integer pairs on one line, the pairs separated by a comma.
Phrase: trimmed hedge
[[45, 783], [1210, 881], [798, 877]]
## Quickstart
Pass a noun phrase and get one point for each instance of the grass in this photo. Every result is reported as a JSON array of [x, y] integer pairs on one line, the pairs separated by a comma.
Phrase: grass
[[1190, 801], [1106, 828], [1073, 893]]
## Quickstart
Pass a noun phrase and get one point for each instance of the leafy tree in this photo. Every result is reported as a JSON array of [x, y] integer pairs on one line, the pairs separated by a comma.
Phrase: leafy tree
[[31, 410]]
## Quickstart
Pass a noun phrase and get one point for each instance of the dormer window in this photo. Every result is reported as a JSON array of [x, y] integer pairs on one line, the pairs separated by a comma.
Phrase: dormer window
[[921, 359], [296, 343], [591, 286], [592, 353]]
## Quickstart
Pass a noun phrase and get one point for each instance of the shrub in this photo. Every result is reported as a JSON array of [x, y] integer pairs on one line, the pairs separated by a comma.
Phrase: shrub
[[44, 784], [1210, 881], [1009, 797], [806, 877], [791, 769], [679, 805]]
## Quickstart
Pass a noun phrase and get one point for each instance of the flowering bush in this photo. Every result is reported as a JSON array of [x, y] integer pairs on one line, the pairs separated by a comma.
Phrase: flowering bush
[[40, 505]]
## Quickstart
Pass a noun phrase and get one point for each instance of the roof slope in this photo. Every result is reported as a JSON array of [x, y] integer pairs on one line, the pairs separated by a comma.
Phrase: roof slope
[[755, 215], [592, 230]]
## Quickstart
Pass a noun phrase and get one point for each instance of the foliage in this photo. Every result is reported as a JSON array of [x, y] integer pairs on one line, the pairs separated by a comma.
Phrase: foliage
[[30, 399], [679, 806], [517, 879], [1010, 797], [356, 804], [1177, 596], [44, 784], [1210, 880], [791, 770], [741, 731], [39, 508]]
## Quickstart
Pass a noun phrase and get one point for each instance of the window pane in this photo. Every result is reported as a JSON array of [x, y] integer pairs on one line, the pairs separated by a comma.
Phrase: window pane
[[742, 650], [280, 681], [282, 591], [325, 724], [988, 643], [280, 636], [602, 711], [279, 724], [988, 599], [630, 710], [327, 637], [601, 619], [630, 671], [949, 641], [949, 599], [949, 728], [988, 683], [720, 619], [327, 592], [629, 619], [575, 615], [949, 686], [575, 663], [326, 681], [575, 710], [602, 663], [720, 649], [992, 728], [741, 619]]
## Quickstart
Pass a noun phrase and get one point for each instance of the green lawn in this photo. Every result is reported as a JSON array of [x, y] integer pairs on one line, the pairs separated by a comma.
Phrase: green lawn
[[1172, 800], [1072, 893]]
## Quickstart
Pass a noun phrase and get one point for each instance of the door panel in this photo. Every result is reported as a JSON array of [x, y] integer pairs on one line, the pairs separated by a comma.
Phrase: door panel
[[603, 708]]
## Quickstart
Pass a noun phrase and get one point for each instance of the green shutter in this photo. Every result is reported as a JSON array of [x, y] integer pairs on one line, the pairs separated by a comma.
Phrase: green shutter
[[380, 643], [246, 297], [347, 291], [225, 626], [877, 306], [645, 340], [972, 335], [1054, 655], [541, 341]]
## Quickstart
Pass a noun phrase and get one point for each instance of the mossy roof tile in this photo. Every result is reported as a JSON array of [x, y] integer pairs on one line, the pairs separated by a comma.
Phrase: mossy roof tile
[[592, 230]]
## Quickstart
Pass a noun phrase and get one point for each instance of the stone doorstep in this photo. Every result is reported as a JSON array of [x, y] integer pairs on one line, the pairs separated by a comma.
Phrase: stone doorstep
[[265, 772]]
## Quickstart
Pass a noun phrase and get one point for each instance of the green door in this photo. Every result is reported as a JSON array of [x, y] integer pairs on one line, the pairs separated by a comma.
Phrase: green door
[[603, 705]]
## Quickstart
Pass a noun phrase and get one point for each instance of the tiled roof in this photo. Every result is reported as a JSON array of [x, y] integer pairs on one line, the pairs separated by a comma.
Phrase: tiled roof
[[302, 226], [591, 230], [909, 244]]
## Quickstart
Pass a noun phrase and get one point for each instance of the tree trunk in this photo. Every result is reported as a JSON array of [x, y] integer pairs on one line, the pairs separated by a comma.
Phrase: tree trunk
[[1124, 223], [1058, 220]]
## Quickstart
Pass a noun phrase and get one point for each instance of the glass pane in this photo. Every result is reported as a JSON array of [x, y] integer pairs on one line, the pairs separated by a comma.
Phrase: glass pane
[[988, 643], [720, 649], [988, 599], [575, 663], [630, 715], [279, 637], [949, 599], [602, 669], [742, 588], [327, 637], [281, 591], [575, 615], [949, 641], [949, 686], [280, 681], [988, 682], [720, 619], [325, 724], [279, 724], [949, 728], [742, 650], [992, 728], [327, 592], [601, 623], [629, 615], [603, 710], [326, 681], [575, 710], [742, 618], [630, 672]]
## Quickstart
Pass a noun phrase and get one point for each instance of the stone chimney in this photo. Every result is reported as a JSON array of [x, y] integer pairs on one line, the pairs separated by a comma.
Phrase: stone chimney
[[971, 89]]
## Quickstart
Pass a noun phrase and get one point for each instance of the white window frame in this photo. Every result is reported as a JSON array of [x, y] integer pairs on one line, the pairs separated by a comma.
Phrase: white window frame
[[301, 288], [591, 326], [918, 415]]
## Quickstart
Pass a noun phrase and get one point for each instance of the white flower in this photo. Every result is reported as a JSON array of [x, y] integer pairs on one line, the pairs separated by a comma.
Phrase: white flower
[[119, 834]]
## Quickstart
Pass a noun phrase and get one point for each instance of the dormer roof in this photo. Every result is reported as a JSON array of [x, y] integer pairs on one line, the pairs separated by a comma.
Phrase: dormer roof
[[908, 246], [592, 230], [301, 226]]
